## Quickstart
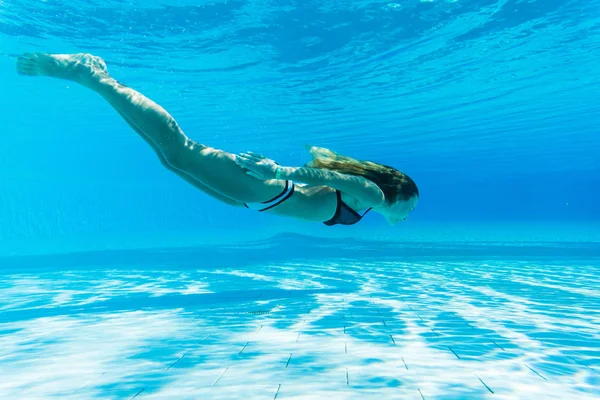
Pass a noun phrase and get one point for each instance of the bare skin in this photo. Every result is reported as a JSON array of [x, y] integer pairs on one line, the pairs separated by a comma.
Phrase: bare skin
[[213, 171]]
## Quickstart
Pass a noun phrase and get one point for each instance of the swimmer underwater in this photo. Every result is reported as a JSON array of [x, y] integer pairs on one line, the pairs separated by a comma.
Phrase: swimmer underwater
[[331, 188]]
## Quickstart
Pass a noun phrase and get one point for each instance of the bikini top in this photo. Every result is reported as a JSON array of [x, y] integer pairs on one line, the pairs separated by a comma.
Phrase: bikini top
[[344, 215]]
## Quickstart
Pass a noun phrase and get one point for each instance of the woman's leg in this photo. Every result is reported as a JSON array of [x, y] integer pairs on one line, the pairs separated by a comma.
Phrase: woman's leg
[[212, 168], [181, 174]]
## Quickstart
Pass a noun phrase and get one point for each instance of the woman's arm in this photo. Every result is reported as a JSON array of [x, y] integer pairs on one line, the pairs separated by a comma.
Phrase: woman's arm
[[358, 187], [365, 191]]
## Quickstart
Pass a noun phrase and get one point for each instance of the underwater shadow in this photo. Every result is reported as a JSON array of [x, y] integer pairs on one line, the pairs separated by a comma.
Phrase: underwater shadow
[[289, 247]]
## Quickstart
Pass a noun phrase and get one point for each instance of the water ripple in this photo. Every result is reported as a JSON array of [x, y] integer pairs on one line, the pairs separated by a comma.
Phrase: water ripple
[[498, 77]]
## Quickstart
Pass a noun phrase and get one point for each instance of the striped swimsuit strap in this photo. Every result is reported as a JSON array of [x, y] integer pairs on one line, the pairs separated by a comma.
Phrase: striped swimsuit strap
[[275, 201]]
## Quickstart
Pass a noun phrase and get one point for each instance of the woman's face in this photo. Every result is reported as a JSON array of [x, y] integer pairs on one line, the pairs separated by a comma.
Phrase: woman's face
[[399, 211]]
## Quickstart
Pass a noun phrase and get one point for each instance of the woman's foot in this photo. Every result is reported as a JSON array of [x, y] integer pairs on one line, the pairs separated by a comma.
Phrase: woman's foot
[[81, 68]]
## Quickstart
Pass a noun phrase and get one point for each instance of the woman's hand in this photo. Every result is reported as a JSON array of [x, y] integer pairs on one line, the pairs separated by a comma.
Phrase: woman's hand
[[257, 166]]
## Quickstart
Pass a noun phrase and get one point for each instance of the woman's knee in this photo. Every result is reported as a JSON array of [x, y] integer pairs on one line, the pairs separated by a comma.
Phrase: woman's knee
[[178, 157], [215, 169]]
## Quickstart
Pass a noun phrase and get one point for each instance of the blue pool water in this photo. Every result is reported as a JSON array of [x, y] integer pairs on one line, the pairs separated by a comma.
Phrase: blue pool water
[[119, 280]]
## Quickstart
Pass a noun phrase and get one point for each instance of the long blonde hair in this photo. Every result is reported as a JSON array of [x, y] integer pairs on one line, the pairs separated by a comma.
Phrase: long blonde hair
[[394, 184]]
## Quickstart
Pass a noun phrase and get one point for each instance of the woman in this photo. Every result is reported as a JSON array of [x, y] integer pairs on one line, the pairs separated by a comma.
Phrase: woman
[[332, 189]]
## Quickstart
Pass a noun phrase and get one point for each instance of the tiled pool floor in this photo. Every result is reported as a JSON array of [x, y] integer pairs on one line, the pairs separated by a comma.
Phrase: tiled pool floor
[[421, 325]]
